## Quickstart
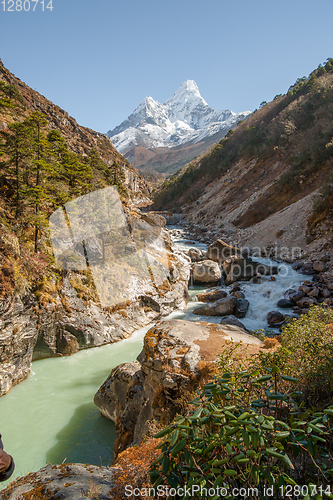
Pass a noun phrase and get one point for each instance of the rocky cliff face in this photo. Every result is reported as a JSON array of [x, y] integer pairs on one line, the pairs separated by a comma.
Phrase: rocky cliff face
[[59, 318], [18, 335], [57, 310], [176, 356]]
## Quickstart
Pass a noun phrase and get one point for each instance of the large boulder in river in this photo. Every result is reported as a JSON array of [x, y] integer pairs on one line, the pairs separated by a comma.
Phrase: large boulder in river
[[285, 303], [275, 319], [305, 302], [219, 251], [320, 267], [232, 320], [241, 308], [221, 307], [243, 269], [18, 335], [211, 296], [175, 356], [196, 254], [296, 296], [206, 271]]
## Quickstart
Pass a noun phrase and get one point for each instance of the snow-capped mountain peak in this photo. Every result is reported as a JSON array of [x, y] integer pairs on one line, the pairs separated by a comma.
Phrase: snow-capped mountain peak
[[184, 117], [188, 90]]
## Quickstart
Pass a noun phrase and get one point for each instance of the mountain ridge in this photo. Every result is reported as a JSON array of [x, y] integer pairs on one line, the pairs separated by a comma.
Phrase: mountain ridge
[[185, 118]]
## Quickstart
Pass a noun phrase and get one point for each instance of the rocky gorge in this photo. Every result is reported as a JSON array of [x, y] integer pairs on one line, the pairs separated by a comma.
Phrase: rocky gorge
[[179, 355], [176, 353], [60, 318]]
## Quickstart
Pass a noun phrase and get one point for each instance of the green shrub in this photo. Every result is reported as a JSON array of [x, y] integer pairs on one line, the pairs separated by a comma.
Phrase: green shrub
[[245, 433], [310, 343]]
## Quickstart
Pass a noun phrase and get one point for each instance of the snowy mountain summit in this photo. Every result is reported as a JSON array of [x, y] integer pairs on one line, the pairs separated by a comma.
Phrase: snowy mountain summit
[[185, 117]]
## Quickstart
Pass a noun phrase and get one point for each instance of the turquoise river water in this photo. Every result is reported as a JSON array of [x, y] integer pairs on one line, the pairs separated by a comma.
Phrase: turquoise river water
[[51, 417]]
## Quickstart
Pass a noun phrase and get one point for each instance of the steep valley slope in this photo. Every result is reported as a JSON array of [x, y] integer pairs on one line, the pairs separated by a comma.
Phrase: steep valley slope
[[269, 181], [85, 284], [79, 139]]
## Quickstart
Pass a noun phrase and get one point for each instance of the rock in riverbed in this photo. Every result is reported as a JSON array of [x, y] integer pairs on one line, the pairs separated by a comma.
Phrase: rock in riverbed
[[241, 307], [206, 271], [196, 254], [65, 481], [211, 296], [219, 251], [285, 303], [243, 269], [275, 319], [236, 265], [221, 307], [174, 354], [232, 320]]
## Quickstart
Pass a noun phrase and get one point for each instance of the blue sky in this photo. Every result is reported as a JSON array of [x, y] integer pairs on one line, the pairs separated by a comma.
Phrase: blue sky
[[99, 59]]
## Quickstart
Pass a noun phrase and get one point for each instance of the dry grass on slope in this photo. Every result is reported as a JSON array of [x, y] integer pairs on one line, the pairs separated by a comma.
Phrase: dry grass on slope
[[132, 469]]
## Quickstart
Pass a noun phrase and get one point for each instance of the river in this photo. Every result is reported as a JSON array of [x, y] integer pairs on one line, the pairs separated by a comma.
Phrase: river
[[51, 417]]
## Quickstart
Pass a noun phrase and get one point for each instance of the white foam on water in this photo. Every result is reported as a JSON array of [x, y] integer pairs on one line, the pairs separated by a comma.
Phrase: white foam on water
[[263, 296]]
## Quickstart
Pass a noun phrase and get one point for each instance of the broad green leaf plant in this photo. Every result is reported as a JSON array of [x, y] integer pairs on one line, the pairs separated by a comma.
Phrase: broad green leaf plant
[[244, 433]]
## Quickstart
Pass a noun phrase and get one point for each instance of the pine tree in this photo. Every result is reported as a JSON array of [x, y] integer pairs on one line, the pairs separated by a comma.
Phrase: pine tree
[[77, 174], [96, 162], [116, 176], [16, 145], [10, 97], [37, 121]]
